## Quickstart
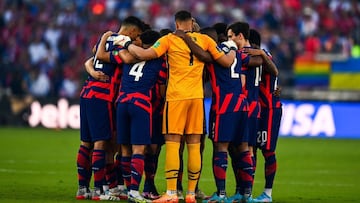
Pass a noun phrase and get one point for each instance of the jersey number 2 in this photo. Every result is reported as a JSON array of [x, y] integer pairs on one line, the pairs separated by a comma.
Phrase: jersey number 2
[[232, 70]]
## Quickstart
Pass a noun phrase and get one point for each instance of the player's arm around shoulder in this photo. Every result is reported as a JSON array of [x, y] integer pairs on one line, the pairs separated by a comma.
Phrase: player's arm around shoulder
[[105, 55], [141, 53], [227, 56], [266, 60], [255, 58], [270, 65], [89, 66], [199, 52], [226, 60], [101, 52], [98, 75], [127, 57]]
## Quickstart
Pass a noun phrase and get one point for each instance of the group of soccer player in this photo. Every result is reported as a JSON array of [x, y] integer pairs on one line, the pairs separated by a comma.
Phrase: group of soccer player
[[146, 89]]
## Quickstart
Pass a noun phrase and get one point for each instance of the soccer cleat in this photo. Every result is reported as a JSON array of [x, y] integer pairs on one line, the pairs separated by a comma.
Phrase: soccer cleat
[[263, 198], [83, 193], [201, 195], [150, 195], [137, 199], [123, 194], [235, 198], [95, 194], [215, 198], [111, 195], [180, 194], [248, 199], [190, 198], [120, 193], [167, 199]]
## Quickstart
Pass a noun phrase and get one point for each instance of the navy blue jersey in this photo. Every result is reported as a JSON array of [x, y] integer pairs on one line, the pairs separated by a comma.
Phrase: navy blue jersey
[[138, 80], [108, 90], [157, 102], [157, 99], [226, 85], [253, 77], [268, 85]]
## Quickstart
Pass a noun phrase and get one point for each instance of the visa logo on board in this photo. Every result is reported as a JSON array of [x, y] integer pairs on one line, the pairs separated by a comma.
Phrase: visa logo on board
[[298, 119], [307, 119]]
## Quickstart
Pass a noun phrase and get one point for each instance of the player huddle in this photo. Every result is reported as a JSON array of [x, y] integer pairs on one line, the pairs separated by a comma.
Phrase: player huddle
[[146, 89]]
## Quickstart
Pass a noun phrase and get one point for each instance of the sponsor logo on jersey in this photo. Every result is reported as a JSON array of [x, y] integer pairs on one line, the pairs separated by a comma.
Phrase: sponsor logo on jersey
[[157, 44]]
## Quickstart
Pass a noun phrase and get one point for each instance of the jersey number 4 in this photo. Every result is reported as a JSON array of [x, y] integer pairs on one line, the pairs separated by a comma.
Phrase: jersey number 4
[[136, 70]]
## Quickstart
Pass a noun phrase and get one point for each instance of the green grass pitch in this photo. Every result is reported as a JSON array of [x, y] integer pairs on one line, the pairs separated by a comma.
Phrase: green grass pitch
[[39, 165]]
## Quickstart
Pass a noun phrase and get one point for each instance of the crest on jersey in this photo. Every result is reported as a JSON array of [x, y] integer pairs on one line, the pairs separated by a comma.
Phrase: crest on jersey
[[115, 52]]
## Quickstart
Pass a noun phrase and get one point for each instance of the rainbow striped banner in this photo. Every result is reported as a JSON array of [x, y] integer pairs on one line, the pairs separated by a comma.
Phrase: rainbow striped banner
[[336, 75], [310, 73]]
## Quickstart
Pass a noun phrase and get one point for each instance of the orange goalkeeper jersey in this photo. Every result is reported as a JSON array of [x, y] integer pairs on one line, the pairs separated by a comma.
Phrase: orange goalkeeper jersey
[[185, 70]]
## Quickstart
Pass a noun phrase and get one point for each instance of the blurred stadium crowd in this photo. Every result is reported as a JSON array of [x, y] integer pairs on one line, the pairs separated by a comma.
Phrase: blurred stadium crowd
[[44, 43]]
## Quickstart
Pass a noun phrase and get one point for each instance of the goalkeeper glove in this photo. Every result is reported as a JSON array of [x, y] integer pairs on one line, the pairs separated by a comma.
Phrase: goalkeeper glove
[[122, 40], [230, 45]]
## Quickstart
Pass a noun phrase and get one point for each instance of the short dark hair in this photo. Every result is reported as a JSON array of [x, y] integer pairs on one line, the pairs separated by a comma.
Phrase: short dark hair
[[220, 28], [221, 31], [135, 21], [240, 27], [146, 26], [183, 15], [210, 31], [149, 37], [254, 37], [165, 31], [207, 30]]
